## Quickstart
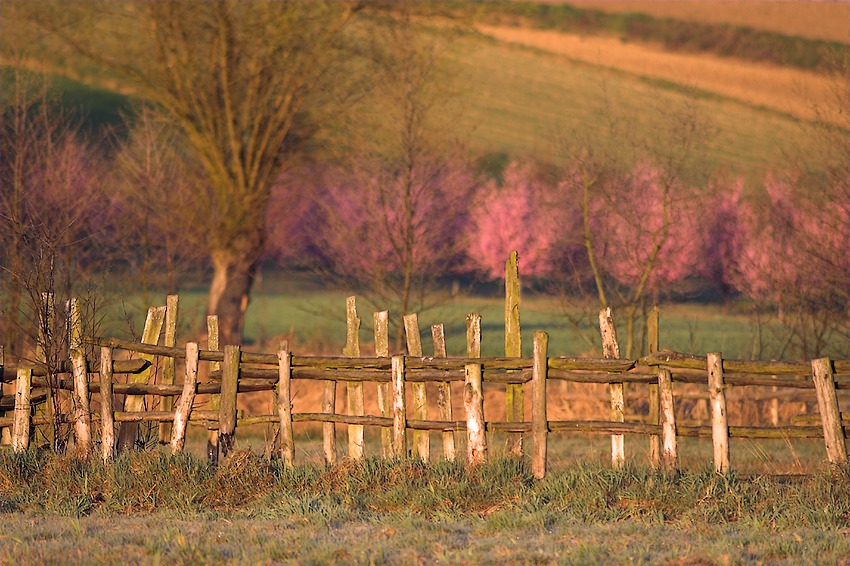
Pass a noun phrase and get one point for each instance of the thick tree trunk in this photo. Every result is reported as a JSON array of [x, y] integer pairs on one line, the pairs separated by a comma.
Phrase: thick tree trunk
[[233, 276]]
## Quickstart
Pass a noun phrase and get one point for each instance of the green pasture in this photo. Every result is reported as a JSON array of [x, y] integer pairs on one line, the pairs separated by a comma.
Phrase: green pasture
[[313, 320]]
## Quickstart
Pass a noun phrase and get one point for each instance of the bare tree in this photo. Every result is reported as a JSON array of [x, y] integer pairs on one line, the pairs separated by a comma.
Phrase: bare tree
[[50, 204], [234, 78]]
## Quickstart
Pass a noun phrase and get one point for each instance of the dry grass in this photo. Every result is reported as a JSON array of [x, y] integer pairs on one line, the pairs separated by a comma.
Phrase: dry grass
[[828, 20], [790, 91]]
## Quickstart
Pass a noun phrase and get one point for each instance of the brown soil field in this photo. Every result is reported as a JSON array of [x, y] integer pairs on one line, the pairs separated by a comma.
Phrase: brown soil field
[[789, 91], [822, 19]]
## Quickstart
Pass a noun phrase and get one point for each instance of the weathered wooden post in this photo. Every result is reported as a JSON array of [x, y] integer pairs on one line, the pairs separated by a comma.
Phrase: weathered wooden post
[[187, 399], [135, 403], [215, 398], [539, 422], [669, 443], [23, 406], [107, 405], [833, 431], [168, 372], [399, 409], [611, 349], [355, 398], [47, 345], [421, 438], [381, 321], [5, 432], [514, 396], [229, 388], [444, 392], [473, 404], [719, 423], [284, 407], [82, 412], [652, 324], [473, 335], [329, 429]]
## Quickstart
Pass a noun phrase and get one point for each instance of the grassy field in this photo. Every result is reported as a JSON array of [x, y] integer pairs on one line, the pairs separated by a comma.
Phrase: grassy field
[[149, 508], [828, 19]]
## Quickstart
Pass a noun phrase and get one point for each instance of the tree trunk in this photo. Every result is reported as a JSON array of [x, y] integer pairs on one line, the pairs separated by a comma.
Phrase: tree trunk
[[234, 269]]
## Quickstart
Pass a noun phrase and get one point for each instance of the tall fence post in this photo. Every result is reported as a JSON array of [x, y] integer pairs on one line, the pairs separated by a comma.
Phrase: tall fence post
[[168, 370], [399, 409], [5, 432], [381, 321], [48, 345], [473, 335], [539, 422], [187, 399], [669, 443], [135, 403], [652, 324], [719, 423], [229, 388], [107, 405], [284, 407], [215, 398], [355, 399], [514, 396], [23, 406], [473, 403], [82, 413], [421, 438], [833, 431], [444, 393], [611, 349]]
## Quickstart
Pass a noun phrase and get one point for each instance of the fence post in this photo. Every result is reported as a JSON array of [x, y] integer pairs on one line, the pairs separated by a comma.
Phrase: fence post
[[669, 443], [514, 397], [381, 321], [652, 324], [355, 389], [399, 409], [473, 335], [833, 431], [135, 403], [444, 393], [719, 423], [421, 438], [229, 388], [329, 429], [187, 399], [23, 405], [611, 349], [47, 345], [215, 398], [284, 407], [168, 372], [82, 413], [539, 422], [473, 403], [5, 432], [107, 405]]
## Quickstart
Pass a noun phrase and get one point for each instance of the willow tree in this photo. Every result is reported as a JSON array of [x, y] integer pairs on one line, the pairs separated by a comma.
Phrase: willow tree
[[234, 78]]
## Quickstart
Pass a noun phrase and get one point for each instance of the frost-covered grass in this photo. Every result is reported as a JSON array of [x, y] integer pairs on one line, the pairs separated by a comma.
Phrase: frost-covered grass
[[148, 507]]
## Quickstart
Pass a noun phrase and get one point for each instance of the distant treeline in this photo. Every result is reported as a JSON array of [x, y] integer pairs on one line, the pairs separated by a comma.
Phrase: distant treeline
[[725, 40]]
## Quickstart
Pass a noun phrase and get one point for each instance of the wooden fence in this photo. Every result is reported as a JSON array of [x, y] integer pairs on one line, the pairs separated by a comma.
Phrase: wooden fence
[[402, 399]]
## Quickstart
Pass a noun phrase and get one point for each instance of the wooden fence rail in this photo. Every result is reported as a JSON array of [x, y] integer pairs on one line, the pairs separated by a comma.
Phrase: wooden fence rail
[[402, 398]]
